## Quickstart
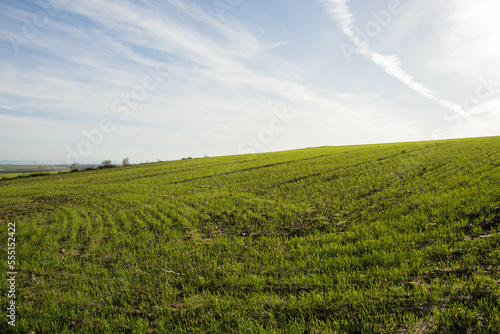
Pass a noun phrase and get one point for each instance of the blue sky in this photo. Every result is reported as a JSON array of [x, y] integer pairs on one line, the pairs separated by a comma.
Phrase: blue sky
[[92, 80]]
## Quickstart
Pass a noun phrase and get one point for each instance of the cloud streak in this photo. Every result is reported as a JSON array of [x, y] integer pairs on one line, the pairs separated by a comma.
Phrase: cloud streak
[[338, 10]]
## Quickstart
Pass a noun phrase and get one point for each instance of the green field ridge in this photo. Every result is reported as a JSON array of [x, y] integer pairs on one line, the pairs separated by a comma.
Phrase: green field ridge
[[387, 238]]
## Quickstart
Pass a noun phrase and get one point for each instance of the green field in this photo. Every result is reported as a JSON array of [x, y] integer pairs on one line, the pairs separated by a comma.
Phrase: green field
[[393, 238], [23, 175], [13, 171]]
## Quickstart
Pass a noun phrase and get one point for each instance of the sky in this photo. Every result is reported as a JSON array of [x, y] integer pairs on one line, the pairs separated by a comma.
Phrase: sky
[[85, 81]]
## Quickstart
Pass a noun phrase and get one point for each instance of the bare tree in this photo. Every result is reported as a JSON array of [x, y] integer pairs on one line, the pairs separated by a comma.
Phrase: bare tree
[[42, 168], [126, 161], [107, 163], [74, 166]]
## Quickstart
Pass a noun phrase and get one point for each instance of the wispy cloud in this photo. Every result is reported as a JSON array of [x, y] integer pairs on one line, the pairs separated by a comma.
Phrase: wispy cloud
[[391, 64], [277, 45], [220, 52], [220, 59], [95, 52]]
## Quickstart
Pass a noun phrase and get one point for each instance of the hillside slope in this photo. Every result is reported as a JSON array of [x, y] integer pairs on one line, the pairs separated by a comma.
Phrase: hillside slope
[[376, 238]]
